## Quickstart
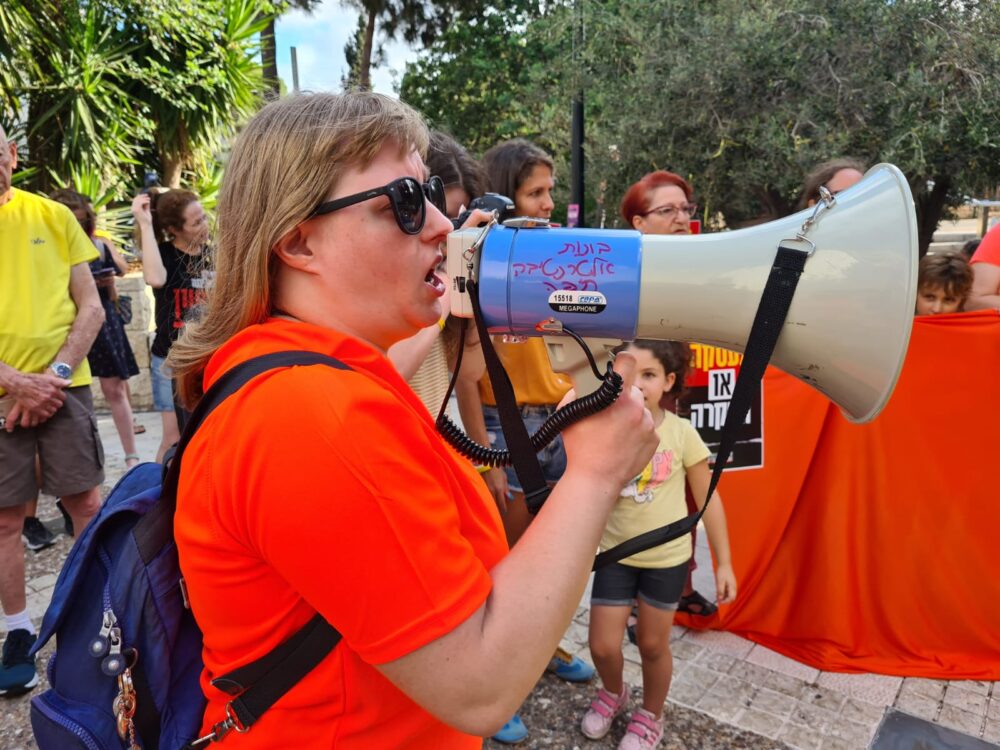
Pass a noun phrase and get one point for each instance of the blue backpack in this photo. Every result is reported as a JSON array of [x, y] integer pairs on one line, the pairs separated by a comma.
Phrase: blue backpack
[[128, 661]]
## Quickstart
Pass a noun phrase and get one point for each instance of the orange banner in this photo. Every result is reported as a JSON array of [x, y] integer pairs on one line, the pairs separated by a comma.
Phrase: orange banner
[[873, 548]]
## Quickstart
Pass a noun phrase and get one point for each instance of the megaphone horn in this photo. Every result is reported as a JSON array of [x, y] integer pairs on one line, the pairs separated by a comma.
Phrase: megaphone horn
[[846, 332]]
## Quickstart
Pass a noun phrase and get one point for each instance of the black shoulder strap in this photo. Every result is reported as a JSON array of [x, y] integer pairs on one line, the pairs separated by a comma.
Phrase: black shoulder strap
[[776, 298], [522, 454], [260, 684]]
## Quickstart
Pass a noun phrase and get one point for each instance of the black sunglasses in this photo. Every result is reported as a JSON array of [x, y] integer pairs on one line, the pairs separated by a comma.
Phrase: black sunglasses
[[407, 196]]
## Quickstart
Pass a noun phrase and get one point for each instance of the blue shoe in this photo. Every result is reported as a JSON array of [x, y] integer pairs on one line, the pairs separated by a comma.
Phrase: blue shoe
[[513, 732], [570, 668], [17, 675]]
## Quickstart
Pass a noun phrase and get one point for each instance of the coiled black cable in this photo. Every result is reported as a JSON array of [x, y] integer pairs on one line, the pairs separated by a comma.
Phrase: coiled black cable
[[571, 413]]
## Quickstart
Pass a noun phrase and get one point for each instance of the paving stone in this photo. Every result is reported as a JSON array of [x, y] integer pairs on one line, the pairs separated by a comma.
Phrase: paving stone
[[720, 705], [685, 650], [963, 721], [776, 662], [976, 686], [632, 673], [967, 700], [783, 684], [854, 734], [760, 722], [992, 731], [740, 690], [677, 632], [861, 711], [800, 738], [720, 640], [706, 678], [685, 692], [577, 633], [879, 689], [749, 672], [836, 743], [42, 582], [918, 705], [811, 716], [933, 689], [772, 702], [715, 660], [993, 709], [815, 695], [631, 652]]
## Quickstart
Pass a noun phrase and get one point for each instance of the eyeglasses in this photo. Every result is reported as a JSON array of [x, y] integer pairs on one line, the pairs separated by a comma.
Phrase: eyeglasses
[[667, 212], [407, 196]]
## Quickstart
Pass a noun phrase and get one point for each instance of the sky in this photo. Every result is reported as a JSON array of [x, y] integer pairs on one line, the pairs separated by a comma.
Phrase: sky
[[319, 39]]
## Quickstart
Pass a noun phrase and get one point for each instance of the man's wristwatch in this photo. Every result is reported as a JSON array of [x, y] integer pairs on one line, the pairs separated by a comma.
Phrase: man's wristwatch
[[61, 370]]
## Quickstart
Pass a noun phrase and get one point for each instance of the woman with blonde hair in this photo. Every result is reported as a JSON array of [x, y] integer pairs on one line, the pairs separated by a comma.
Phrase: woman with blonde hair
[[327, 243]]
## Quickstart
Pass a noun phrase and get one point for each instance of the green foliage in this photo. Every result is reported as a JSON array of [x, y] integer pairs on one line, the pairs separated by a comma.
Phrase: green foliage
[[742, 97], [109, 89], [483, 79]]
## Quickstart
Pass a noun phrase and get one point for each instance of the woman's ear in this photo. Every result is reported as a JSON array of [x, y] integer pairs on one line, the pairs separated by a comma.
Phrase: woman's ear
[[293, 250], [670, 381], [637, 222]]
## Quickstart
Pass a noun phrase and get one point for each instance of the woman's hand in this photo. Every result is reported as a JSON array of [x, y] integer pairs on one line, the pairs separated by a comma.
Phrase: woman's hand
[[725, 584], [615, 444], [141, 209]]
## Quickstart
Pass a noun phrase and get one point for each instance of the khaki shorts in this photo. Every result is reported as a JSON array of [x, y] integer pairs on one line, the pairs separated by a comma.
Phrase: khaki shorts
[[68, 445]]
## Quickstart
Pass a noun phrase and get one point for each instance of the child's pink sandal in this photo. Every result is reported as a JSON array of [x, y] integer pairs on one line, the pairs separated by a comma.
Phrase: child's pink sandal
[[602, 712]]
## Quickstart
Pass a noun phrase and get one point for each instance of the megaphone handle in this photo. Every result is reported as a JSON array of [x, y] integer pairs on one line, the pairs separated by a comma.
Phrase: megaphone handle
[[789, 262]]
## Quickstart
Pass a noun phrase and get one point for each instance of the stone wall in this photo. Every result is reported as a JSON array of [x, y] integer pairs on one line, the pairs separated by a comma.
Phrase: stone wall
[[139, 333]]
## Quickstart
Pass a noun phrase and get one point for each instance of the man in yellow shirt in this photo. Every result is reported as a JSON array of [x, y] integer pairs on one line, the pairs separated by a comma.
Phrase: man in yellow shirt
[[50, 313]]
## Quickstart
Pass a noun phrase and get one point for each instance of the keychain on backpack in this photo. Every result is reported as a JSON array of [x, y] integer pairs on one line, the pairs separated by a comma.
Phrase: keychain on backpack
[[124, 709]]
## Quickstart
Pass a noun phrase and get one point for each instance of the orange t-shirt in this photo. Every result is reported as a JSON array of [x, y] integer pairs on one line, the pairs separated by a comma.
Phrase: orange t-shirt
[[315, 489], [989, 249]]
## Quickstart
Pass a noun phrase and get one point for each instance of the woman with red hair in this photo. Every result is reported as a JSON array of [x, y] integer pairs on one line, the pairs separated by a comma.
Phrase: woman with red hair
[[659, 203]]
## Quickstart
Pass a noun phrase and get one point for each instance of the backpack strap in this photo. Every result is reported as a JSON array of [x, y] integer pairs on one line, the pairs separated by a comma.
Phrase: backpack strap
[[259, 685]]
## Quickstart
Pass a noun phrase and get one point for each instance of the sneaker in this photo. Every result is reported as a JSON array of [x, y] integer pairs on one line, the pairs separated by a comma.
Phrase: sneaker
[[596, 723], [513, 732], [67, 519], [644, 731], [18, 673], [36, 536], [570, 668]]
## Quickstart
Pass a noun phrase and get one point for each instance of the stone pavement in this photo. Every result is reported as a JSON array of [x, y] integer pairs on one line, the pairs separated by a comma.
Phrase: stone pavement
[[727, 692]]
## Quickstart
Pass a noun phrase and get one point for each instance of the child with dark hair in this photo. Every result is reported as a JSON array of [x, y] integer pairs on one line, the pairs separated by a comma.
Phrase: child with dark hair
[[656, 576], [943, 284]]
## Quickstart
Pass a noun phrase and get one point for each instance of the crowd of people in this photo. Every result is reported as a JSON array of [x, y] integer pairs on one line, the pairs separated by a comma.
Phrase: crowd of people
[[330, 238]]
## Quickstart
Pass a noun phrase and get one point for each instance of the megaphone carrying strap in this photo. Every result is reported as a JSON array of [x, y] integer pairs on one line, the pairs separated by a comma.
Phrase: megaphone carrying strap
[[775, 300]]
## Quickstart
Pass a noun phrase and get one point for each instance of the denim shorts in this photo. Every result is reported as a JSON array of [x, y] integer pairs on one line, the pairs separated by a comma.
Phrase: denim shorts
[[552, 457], [618, 585], [163, 384]]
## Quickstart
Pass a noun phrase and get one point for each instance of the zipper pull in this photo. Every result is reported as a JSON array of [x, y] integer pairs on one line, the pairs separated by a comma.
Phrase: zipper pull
[[99, 645], [113, 664]]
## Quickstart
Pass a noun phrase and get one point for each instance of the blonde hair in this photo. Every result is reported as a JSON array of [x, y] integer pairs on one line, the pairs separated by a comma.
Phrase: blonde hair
[[286, 162]]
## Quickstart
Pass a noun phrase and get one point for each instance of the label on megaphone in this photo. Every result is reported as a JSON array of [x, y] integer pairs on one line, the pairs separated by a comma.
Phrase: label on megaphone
[[587, 279]]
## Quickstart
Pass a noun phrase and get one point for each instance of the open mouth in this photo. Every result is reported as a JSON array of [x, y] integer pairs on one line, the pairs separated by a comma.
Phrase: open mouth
[[435, 277]]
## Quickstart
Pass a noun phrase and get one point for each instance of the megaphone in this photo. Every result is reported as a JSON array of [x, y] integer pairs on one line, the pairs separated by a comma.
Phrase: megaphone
[[847, 329]]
